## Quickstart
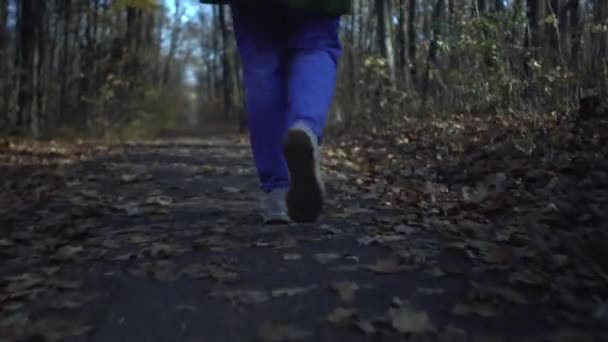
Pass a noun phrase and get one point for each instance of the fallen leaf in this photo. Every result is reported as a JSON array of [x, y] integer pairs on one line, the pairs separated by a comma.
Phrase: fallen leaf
[[346, 290], [140, 239], [324, 258], [196, 271], [220, 274], [65, 284], [124, 257], [331, 229], [5, 243], [282, 333], [18, 319], [21, 282], [128, 178], [71, 301], [68, 252], [163, 201], [407, 230], [406, 320], [162, 250], [481, 309], [436, 272], [231, 189], [341, 315], [504, 293], [184, 307], [292, 291], [491, 253], [366, 327], [366, 240], [390, 265], [292, 257], [452, 333], [526, 277], [244, 296], [430, 291]]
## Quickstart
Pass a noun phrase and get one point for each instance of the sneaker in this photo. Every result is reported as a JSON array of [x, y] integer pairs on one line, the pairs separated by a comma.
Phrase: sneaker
[[274, 210], [306, 190]]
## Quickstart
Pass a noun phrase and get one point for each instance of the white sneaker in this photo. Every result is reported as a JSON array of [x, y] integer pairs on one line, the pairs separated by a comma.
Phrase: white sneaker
[[274, 209], [306, 190]]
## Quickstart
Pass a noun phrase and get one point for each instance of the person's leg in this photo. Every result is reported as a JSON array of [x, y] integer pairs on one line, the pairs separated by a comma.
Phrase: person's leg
[[314, 51], [261, 46]]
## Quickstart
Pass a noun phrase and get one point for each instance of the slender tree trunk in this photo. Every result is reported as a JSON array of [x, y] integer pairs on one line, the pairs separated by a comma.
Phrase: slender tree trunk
[[26, 68], [401, 41], [412, 41], [575, 31], [432, 56], [41, 32], [65, 60], [227, 77], [5, 76], [385, 40]]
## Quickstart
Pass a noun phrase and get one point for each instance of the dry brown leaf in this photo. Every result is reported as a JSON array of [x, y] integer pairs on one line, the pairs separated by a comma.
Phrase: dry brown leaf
[[491, 253], [231, 189], [292, 257], [222, 275], [403, 229], [21, 282], [406, 320], [64, 284], [481, 309], [505, 293], [196, 271], [341, 315], [366, 327], [430, 291], [346, 290], [128, 177], [292, 291], [324, 258], [4, 243], [436, 272], [282, 333], [67, 252], [526, 277], [244, 296], [390, 265]]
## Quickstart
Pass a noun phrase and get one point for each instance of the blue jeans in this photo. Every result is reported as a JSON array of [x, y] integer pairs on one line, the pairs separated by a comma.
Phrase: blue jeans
[[290, 59]]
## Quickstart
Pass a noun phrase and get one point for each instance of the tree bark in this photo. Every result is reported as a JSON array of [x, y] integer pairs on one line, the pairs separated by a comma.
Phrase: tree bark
[[383, 13], [412, 41], [432, 56], [26, 66], [227, 77]]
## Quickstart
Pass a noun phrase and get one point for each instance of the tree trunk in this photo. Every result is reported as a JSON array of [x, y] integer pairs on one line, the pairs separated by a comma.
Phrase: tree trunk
[[5, 75], [535, 17], [412, 41], [575, 32], [226, 72], [26, 67], [385, 40], [65, 60], [432, 56], [401, 41]]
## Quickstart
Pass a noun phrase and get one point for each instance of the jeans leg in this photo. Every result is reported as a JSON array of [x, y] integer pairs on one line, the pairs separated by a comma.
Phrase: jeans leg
[[261, 46], [314, 51]]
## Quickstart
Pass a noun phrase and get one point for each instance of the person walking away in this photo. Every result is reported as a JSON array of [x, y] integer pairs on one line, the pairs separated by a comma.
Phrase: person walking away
[[289, 51]]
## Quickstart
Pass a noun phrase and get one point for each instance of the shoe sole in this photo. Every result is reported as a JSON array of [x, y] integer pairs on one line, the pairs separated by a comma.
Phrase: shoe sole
[[305, 195]]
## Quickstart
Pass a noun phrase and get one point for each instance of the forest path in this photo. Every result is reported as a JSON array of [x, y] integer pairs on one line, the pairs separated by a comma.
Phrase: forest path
[[160, 242]]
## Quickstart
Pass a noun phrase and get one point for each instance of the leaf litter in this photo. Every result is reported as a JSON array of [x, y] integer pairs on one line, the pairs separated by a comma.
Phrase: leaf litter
[[484, 191]]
